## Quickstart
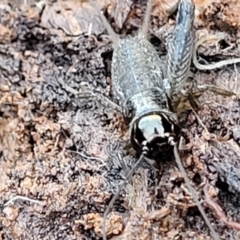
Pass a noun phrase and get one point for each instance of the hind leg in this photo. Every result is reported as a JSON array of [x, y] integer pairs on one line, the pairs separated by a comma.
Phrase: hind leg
[[180, 47], [193, 99], [188, 99]]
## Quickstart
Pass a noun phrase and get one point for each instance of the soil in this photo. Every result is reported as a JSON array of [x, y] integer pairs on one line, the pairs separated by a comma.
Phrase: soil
[[63, 157]]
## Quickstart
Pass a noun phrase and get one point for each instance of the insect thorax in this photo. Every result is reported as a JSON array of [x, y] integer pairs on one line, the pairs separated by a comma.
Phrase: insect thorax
[[152, 124]]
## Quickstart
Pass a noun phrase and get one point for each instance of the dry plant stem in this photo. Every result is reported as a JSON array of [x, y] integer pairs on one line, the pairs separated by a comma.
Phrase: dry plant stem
[[23, 199], [212, 66], [110, 205], [159, 214], [89, 158], [194, 194], [218, 212]]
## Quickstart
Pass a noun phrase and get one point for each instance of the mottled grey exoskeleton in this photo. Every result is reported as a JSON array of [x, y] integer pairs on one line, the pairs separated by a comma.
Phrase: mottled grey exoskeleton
[[138, 84], [137, 81]]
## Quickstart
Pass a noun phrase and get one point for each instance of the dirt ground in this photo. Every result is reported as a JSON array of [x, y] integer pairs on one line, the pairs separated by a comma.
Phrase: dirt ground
[[62, 158]]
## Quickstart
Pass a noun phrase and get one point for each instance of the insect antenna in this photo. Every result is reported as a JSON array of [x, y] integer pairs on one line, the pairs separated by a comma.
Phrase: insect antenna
[[194, 194], [114, 36], [144, 29], [110, 205]]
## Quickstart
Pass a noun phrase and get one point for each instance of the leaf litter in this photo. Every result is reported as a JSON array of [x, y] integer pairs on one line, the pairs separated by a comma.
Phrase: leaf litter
[[63, 158]]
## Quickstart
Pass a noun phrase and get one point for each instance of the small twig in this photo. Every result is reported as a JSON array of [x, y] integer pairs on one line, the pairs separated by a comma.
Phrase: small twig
[[159, 214], [18, 197], [87, 157]]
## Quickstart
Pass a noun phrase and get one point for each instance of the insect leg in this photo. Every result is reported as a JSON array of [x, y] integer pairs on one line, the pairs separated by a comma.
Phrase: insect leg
[[187, 100], [180, 46], [200, 89], [88, 93]]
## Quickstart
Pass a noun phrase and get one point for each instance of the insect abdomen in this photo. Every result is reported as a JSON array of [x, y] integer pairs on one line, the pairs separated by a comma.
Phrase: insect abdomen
[[136, 67]]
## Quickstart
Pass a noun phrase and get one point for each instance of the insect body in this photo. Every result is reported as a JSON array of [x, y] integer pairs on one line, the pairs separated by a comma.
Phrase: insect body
[[148, 89], [145, 89], [137, 81]]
